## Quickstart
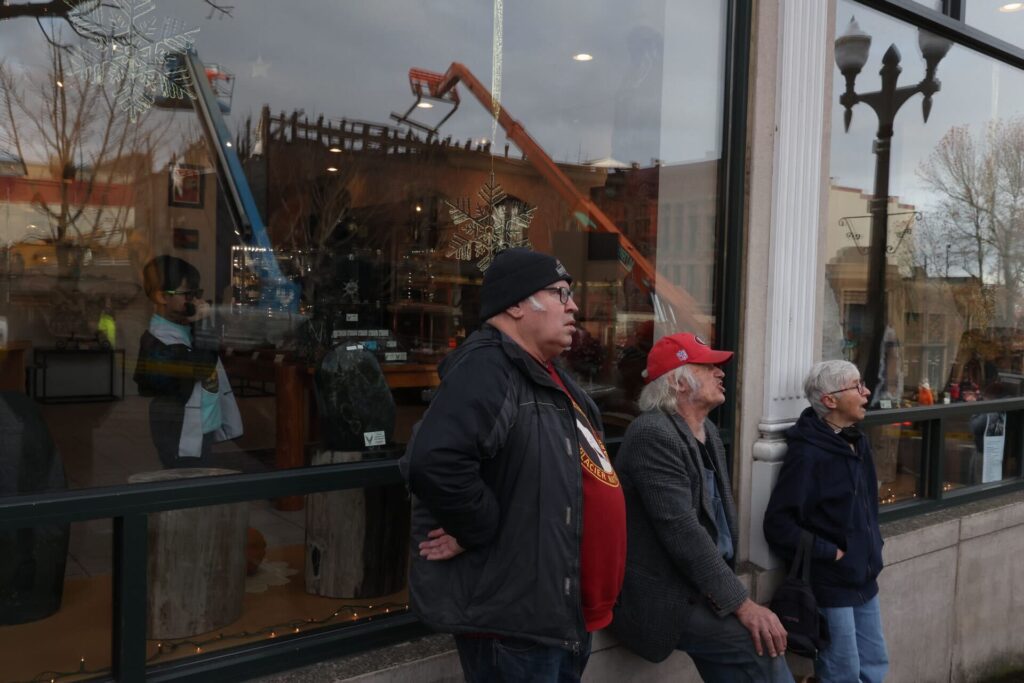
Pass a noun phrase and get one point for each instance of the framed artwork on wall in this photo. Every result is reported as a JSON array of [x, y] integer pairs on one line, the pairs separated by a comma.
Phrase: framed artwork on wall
[[185, 186]]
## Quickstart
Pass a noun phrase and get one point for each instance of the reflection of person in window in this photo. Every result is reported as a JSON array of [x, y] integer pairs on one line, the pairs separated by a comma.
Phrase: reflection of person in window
[[193, 405]]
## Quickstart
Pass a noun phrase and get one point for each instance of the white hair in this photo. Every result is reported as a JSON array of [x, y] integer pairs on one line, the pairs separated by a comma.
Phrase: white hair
[[534, 304], [661, 393], [826, 377]]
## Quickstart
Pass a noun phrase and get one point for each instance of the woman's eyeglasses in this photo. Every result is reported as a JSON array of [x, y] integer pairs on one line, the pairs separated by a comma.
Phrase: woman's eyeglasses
[[859, 386]]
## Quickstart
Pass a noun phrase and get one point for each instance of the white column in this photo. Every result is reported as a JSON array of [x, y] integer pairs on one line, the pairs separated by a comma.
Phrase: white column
[[795, 272]]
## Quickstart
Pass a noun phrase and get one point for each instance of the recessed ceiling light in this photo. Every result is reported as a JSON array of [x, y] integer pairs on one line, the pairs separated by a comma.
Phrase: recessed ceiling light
[[583, 57], [336, 150], [332, 169], [1012, 7], [425, 105]]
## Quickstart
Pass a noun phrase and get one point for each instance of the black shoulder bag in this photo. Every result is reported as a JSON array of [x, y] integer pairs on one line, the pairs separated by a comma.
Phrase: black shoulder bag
[[796, 607]]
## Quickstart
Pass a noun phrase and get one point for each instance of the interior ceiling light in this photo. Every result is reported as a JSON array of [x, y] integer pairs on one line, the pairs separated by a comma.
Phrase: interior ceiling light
[[425, 105], [583, 57], [1012, 7], [332, 169], [336, 150]]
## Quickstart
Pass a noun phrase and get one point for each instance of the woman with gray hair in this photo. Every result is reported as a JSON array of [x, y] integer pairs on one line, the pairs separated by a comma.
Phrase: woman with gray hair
[[680, 590], [827, 486]]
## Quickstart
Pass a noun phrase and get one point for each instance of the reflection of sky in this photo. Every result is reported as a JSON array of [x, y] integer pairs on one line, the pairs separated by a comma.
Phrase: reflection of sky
[[985, 15], [975, 90], [352, 61]]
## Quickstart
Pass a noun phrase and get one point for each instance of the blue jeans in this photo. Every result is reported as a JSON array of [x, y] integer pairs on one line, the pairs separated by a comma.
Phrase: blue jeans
[[515, 660], [857, 652], [723, 652]]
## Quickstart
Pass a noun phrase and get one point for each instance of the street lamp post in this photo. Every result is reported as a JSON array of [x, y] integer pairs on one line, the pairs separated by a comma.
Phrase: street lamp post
[[851, 54]]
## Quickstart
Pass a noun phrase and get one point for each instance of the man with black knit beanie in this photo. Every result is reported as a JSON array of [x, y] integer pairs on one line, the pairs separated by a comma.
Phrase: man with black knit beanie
[[518, 529]]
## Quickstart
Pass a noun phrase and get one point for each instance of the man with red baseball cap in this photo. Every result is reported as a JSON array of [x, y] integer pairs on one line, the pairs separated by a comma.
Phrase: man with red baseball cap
[[681, 590]]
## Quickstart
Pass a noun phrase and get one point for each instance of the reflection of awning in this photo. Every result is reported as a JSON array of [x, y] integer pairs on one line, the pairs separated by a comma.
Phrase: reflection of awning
[[11, 164], [606, 162]]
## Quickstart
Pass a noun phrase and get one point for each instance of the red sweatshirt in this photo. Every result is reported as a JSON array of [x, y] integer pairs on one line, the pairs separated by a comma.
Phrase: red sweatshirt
[[603, 548]]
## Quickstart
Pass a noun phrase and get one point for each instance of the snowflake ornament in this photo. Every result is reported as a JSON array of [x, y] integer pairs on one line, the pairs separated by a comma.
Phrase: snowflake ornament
[[498, 223], [127, 47]]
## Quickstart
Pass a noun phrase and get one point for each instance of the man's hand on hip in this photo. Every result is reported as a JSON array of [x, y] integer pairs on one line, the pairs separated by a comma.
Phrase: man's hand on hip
[[440, 546], [766, 630]]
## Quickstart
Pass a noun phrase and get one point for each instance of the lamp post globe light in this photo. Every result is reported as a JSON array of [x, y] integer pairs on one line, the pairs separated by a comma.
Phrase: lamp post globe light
[[851, 54]]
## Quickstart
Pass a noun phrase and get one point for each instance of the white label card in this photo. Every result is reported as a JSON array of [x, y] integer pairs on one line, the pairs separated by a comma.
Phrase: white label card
[[351, 317], [373, 438]]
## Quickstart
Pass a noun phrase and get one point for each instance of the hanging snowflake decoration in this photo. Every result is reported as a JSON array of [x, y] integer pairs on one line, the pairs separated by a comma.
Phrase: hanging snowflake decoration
[[128, 48], [498, 223]]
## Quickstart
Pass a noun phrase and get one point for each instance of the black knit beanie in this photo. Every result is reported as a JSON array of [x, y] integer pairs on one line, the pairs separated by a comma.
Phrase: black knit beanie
[[515, 274]]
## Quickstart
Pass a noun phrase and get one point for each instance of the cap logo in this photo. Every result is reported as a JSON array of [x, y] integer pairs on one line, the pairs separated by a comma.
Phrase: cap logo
[[682, 355], [699, 340], [559, 268]]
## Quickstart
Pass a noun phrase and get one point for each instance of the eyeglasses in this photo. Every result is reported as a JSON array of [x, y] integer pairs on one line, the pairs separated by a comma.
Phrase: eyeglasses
[[189, 294], [564, 293], [859, 386]]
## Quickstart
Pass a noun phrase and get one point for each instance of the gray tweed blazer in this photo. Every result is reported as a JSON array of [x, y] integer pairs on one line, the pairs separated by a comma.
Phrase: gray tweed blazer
[[672, 559]]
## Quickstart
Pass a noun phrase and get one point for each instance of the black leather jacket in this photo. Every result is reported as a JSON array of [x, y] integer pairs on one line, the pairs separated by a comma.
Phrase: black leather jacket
[[495, 462]]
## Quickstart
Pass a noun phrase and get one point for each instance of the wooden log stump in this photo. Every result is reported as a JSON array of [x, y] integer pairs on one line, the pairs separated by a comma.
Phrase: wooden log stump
[[357, 540], [196, 562]]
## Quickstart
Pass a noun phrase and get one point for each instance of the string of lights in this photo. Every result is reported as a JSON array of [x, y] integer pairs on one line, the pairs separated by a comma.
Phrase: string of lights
[[197, 647]]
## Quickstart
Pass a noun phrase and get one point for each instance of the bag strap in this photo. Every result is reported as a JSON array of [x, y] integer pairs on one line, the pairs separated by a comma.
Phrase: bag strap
[[802, 559]]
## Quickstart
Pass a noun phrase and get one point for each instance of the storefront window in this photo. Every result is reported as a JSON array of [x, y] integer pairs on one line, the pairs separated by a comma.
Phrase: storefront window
[[942, 328], [244, 238], [924, 277]]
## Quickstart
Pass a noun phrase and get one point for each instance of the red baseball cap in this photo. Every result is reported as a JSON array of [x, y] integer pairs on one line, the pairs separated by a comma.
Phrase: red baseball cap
[[675, 350]]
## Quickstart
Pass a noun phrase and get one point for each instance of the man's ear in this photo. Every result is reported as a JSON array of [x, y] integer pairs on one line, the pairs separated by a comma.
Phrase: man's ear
[[159, 297], [517, 311]]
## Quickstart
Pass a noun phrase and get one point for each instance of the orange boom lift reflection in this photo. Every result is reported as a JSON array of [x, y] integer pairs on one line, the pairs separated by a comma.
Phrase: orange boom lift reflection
[[671, 304]]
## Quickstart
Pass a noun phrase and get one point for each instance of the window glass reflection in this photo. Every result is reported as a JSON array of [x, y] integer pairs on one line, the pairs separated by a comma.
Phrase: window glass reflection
[[1002, 19], [924, 283], [315, 237]]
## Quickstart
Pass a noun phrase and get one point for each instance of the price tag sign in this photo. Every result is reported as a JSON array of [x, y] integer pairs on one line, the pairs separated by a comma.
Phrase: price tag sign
[[351, 317]]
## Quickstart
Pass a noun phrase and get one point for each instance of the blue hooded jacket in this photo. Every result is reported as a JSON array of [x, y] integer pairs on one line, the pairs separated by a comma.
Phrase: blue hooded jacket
[[831, 490]]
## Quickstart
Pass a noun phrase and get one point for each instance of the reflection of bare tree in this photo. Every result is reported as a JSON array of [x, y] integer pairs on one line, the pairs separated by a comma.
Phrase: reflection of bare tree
[[87, 141], [980, 214]]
